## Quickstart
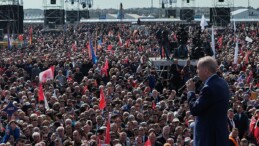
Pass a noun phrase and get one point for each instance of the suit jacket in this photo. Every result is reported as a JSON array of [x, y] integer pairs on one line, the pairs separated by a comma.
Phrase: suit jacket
[[242, 124], [230, 124], [210, 109]]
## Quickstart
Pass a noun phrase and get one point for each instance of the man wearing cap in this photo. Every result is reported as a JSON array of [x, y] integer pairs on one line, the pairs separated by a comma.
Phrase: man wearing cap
[[211, 105]]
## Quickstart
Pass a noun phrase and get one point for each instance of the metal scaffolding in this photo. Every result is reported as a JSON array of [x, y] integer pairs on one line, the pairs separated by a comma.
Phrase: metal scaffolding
[[75, 9], [221, 12], [53, 14], [11, 16]]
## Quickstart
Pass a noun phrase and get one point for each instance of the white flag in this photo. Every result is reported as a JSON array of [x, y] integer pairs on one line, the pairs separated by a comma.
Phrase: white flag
[[46, 104], [47, 75], [248, 39], [236, 53], [213, 42], [203, 22], [235, 28]]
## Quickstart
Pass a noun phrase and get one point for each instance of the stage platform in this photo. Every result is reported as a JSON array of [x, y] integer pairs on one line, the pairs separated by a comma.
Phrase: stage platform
[[14, 43], [163, 62]]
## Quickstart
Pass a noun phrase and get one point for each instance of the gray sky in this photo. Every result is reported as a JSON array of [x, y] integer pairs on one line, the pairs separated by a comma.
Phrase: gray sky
[[144, 3]]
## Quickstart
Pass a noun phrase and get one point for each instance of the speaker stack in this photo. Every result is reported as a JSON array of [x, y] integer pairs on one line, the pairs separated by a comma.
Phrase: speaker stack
[[54, 17], [11, 18], [170, 13], [72, 16], [84, 14], [187, 14], [220, 16]]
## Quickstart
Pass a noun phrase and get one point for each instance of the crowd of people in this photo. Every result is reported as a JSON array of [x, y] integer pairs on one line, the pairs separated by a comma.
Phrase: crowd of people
[[140, 105]]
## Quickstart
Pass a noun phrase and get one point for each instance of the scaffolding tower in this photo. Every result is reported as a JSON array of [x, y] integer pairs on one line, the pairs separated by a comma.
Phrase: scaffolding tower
[[220, 13], [77, 9], [187, 11], [11, 16], [54, 14]]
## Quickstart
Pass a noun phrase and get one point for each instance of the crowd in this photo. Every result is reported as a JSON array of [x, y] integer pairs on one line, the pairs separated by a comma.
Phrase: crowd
[[140, 103]]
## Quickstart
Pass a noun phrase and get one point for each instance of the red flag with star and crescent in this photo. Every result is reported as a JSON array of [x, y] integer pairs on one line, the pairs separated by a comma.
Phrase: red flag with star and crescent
[[47, 75]]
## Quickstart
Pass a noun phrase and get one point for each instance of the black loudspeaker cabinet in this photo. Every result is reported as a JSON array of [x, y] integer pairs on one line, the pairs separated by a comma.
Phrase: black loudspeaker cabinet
[[56, 16], [187, 14], [52, 2], [11, 16], [72, 15], [220, 16], [170, 13], [221, 0], [84, 14]]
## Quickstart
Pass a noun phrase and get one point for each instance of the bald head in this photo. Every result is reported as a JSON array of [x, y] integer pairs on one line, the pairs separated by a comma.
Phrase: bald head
[[209, 63]]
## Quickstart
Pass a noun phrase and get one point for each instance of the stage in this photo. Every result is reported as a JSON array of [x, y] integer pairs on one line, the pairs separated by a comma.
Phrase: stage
[[14, 43], [157, 62]]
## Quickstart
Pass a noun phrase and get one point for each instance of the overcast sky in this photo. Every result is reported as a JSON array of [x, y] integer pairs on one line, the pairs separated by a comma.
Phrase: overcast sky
[[104, 4]]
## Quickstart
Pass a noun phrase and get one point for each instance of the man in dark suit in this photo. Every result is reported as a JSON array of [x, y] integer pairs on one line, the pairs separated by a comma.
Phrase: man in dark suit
[[210, 106], [175, 72], [242, 122], [231, 122]]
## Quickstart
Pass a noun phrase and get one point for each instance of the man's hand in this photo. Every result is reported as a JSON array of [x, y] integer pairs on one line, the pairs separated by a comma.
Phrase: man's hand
[[190, 85]]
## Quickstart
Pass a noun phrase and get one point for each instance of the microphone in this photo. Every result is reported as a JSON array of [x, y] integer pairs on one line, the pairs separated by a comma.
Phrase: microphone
[[195, 79]]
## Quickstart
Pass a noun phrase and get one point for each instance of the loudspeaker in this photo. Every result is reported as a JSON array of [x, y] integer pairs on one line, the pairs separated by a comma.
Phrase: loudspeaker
[[72, 15], [11, 18], [221, 0], [187, 14], [170, 13], [54, 15], [188, 1], [84, 14], [51, 25], [220, 16], [72, 2], [52, 2]]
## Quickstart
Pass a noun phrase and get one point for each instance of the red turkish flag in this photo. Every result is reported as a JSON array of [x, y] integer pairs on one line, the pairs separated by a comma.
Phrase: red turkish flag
[[106, 65], [105, 68], [47, 75], [40, 93], [102, 102]]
